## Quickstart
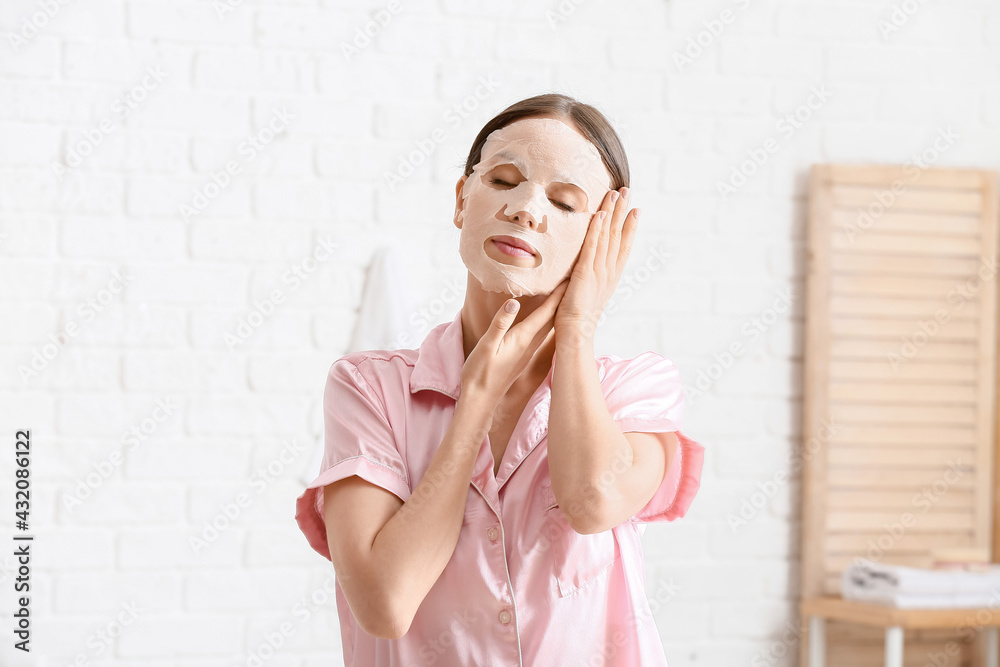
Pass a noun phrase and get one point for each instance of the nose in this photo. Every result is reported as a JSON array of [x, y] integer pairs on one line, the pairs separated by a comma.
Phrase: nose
[[524, 218], [526, 207]]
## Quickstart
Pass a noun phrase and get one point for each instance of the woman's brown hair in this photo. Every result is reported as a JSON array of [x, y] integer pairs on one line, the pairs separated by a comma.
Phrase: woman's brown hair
[[590, 122]]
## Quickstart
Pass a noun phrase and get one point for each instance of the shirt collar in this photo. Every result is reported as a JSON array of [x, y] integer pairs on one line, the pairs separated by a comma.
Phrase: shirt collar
[[440, 359]]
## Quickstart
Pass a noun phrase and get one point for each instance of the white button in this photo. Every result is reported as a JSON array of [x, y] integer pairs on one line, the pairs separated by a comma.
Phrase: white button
[[505, 617], [492, 533]]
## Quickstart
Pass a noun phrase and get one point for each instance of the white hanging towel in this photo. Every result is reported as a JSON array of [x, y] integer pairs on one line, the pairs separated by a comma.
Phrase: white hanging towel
[[913, 587], [387, 305]]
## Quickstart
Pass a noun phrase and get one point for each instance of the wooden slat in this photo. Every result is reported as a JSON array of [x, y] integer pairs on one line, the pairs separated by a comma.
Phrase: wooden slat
[[987, 492], [914, 199], [893, 479], [842, 520], [950, 500], [892, 391], [912, 244], [867, 544], [935, 435], [881, 176], [885, 616], [922, 457], [943, 373], [880, 327], [918, 309], [853, 223], [815, 397], [880, 264], [907, 287], [895, 414], [907, 352]]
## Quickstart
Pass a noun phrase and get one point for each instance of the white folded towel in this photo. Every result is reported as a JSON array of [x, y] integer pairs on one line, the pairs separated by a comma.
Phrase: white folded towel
[[912, 587], [927, 600]]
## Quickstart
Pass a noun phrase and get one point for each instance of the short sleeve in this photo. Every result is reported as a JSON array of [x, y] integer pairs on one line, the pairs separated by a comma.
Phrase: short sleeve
[[357, 440], [645, 394]]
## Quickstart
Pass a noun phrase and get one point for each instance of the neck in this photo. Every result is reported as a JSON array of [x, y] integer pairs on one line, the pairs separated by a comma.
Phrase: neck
[[481, 307]]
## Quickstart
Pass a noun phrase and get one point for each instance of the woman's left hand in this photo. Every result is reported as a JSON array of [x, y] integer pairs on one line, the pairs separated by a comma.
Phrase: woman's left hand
[[598, 268]]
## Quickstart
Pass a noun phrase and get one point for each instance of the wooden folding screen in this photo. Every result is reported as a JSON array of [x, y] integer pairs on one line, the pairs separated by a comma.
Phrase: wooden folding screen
[[900, 376]]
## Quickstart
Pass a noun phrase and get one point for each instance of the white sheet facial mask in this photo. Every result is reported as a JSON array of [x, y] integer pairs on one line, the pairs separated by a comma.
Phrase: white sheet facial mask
[[549, 155]]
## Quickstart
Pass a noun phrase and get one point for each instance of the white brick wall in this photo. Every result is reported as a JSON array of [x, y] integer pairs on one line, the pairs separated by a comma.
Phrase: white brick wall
[[355, 118]]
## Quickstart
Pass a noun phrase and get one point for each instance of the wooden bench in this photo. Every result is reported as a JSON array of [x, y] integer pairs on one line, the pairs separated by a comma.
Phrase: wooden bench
[[817, 610]]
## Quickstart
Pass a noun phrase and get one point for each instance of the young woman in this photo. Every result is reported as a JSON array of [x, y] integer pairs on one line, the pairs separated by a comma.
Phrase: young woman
[[482, 498]]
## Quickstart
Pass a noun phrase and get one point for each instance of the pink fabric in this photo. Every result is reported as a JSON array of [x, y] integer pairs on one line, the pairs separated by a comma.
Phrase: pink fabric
[[522, 587]]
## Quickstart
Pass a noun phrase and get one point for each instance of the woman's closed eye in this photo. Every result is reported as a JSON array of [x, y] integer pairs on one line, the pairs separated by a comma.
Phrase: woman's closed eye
[[503, 183]]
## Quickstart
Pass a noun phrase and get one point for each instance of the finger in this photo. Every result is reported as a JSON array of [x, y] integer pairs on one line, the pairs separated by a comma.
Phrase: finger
[[589, 249], [615, 230], [601, 251], [502, 321], [628, 237]]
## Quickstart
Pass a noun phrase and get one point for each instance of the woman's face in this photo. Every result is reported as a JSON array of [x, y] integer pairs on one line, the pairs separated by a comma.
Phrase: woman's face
[[539, 182]]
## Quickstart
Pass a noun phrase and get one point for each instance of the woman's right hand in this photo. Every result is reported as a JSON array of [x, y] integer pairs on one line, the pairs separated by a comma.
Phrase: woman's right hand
[[503, 352]]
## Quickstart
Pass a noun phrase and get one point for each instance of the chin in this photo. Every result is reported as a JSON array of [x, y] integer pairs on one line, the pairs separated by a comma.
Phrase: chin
[[513, 291], [502, 285]]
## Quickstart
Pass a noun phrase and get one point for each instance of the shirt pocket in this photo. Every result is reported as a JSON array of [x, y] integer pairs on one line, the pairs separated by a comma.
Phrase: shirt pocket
[[579, 560]]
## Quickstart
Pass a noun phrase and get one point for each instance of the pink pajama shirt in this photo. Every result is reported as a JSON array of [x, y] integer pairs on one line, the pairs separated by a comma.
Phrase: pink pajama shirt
[[522, 587]]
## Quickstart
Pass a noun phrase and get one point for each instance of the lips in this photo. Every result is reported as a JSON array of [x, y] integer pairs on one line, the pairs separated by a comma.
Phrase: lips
[[517, 243]]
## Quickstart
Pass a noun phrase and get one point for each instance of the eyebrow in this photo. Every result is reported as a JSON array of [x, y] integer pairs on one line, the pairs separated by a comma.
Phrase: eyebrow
[[518, 162]]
